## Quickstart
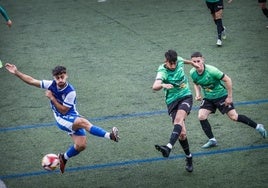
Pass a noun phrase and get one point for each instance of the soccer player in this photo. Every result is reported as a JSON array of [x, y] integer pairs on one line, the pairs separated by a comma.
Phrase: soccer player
[[264, 9], [217, 90], [216, 9], [171, 78], [6, 17], [62, 96]]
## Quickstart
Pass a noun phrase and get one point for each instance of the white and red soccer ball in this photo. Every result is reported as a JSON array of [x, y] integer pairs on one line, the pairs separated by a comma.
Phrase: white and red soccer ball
[[50, 162]]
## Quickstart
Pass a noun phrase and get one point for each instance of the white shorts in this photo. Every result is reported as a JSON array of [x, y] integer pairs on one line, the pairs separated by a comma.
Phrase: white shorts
[[65, 123]]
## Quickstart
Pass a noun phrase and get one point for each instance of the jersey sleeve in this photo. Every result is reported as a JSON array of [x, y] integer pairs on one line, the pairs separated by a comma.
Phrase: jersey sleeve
[[192, 74], [180, 59], [216, 73], [45, 84], [4, 13], [160, 73], [69, 100], [159, 76]]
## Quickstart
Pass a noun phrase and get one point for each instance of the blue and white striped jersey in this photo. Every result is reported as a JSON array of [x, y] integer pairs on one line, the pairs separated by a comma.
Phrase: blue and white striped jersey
[[65, 96]]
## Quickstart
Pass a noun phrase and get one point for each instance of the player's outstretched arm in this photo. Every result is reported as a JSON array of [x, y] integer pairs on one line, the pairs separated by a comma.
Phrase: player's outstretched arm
[[4, 14], [158, 85], [9, 23], [189, 62], [197, 89], [24, 77], [61, 108]]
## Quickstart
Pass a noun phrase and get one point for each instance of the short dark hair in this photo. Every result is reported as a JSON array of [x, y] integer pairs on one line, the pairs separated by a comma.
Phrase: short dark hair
[[171, 56], [59, 70], [196, 54]]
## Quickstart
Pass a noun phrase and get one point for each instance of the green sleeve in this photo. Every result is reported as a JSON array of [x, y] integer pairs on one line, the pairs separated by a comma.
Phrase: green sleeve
[[4, 13], [180, 58], [216, 73], [192, 71]]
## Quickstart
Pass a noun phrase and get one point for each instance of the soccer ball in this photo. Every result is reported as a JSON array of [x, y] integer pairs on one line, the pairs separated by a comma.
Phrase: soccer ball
[[50, 162]]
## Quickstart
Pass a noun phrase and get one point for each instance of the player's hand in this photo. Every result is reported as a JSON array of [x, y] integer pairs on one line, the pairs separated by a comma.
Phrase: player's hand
[[9, 23], [228, 101], [229, 1], [49, 95], [198, 98], [11, 68], [195, 65], [167, 86]]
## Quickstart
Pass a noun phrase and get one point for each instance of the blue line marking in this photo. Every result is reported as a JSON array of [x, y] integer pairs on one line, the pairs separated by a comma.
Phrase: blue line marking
[[133, 162], [124, 116]]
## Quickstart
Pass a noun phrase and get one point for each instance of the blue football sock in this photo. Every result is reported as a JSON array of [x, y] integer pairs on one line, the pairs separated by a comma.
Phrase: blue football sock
[[71, 152], [97, 131]]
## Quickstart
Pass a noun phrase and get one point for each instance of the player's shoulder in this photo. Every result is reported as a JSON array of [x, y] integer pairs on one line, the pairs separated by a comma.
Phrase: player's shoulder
[[161, 67], [180, 59], [70, 86], [46, 83], [212, 70], [210, 67], [192, 71]]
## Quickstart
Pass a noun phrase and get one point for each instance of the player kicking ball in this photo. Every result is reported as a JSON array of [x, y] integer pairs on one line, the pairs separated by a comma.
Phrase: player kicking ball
[[62, 96], [172, 79]]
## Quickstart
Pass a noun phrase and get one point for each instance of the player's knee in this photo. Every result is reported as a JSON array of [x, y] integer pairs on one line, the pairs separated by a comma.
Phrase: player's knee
[[82, 123], [233, 117], [218, 15], [263, 5], [202, 117], [80, 147], [78, 122], [80, 143], [178, 120], [182, 136]]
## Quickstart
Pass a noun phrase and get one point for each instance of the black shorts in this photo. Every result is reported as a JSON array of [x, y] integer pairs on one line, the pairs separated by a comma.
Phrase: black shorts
[[184, 103], [215, 7], [214, 104], [262, 1]]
